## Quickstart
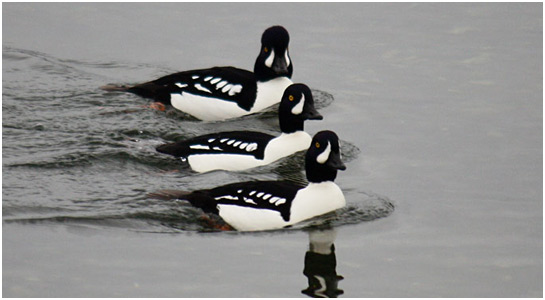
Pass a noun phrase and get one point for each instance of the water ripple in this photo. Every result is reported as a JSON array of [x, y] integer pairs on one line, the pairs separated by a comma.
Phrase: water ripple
[[178, 216], [75, 154]]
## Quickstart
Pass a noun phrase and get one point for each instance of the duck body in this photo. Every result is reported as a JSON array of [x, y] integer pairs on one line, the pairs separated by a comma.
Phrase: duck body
[[221, 93], [241, 150], [266, 205]]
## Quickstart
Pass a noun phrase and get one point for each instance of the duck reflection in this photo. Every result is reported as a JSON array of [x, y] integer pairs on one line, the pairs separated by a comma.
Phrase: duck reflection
[[320, 265]]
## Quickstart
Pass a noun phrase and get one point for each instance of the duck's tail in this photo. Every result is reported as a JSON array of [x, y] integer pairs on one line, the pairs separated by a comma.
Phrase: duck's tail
[[115, 88], [174, 149], [196, 199], [149, 90]]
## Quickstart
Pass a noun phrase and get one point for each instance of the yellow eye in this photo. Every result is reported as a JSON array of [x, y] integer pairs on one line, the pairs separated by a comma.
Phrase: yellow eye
[[317, 145], [290, 97], [266, 49]]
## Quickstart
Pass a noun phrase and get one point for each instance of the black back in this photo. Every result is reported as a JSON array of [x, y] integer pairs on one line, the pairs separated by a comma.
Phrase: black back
[[260, 194], [235, 142], [204, 83], [249, 142], [249, 194], [275, 37]]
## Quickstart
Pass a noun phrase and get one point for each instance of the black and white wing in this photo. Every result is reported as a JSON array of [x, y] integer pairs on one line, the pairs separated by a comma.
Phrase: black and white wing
[[267, 195], [226, 83], [231, 142]]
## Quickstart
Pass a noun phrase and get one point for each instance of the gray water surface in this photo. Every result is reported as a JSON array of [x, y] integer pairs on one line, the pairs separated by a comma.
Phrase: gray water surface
[[439, 108]]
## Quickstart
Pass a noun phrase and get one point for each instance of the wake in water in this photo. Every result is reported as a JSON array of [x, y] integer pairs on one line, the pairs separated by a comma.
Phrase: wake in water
[[178, 216], [75, 154]]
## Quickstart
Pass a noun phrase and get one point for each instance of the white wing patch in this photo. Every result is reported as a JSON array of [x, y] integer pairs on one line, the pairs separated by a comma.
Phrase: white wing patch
[[277, 200], [251, 147], [280, 201], [224, 85], [202, 88], [249, 200], [273, 200], [235, 89], [226, 197], [226, 88], [199, 147]]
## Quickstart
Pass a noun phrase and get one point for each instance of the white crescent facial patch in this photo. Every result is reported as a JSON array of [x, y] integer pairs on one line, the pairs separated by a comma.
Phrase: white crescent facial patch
[[269, 61], [324, 156], [298, 108]]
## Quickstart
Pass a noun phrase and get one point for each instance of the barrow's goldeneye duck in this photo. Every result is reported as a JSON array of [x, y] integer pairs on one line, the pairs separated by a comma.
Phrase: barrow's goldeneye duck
[[241, 150], [221, 93], [266, 205]]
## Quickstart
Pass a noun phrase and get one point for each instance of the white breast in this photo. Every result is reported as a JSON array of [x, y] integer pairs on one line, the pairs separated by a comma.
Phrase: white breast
[[316, 199], [270, 92], [286, 144]]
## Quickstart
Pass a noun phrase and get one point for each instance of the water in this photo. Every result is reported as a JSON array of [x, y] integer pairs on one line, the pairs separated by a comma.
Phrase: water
[[439, 108]]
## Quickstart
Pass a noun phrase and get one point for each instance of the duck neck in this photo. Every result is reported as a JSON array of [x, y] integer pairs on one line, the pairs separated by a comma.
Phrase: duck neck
[[263, 73], [317, 173], [291, 124]]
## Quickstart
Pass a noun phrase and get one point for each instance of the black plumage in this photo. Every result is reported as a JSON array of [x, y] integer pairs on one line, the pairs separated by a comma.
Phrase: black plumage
[[270, 195], [202, 83], [275, 38], [230, 142], [250, 142], [253, 194]]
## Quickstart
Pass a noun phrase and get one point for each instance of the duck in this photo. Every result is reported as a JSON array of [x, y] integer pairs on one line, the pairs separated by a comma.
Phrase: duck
[[221, 93], [242, 150], [270, 205]]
